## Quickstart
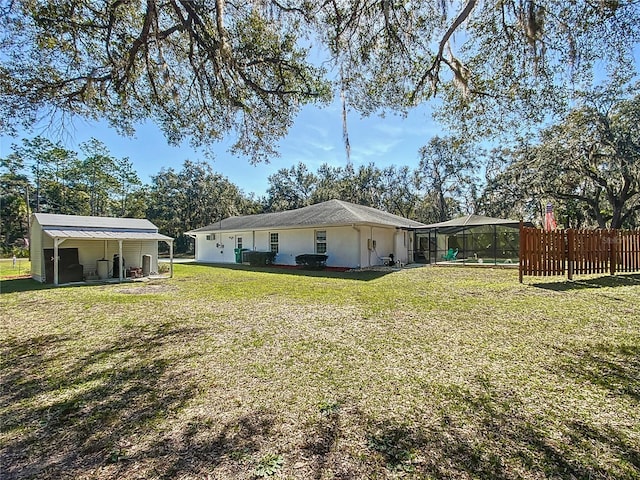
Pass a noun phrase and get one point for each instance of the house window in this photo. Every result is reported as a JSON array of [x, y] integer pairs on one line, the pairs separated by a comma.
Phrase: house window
[[321, 241], [211, 236], [239, 242], [273, 240]]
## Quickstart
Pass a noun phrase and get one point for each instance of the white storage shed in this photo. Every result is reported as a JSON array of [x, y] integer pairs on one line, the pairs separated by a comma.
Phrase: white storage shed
[[73, 248]]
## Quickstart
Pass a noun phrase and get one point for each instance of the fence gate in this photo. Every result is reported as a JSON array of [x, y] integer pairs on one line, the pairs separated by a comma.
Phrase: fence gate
[[578, 252]]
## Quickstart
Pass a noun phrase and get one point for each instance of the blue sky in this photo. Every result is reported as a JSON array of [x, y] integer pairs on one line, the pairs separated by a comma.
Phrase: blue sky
[[314, 139]]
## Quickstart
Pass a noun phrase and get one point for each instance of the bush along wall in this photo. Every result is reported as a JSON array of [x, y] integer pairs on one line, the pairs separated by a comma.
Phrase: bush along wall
[[260, 259]]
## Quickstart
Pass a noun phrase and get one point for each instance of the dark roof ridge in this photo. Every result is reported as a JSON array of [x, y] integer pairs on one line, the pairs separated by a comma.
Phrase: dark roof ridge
[[329, 212]]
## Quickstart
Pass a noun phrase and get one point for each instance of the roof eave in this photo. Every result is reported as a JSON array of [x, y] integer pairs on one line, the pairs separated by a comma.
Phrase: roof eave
[[205, 230]]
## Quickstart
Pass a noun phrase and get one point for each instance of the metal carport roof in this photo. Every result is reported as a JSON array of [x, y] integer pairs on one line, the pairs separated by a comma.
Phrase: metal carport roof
[[93, 234]]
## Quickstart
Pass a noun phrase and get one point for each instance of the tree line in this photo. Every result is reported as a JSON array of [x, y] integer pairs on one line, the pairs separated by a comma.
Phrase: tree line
[[205, 71], [588, 166]]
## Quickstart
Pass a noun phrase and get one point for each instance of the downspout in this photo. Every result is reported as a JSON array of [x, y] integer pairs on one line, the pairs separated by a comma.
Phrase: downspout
[[357, 229], [120, 261]]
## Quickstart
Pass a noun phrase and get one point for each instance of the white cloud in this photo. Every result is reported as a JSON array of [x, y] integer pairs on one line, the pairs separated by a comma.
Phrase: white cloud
[[369, 151]]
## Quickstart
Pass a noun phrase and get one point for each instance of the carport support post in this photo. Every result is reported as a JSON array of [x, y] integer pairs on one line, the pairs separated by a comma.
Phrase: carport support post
[[521, 257], [56, 266], [56, 259], [120, 261], [171, 259]]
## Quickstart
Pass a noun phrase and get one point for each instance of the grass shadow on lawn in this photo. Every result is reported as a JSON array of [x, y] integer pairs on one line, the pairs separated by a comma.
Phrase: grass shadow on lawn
[[143, 399], [362, 275], [29, 285], [612, 367], [494, 438], [107, 414], [609, 281], [66, 414], [22, 285]]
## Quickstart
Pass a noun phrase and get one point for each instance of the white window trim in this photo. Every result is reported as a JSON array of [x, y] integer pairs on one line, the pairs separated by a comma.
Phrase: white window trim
[[276, 243], [315, 235]]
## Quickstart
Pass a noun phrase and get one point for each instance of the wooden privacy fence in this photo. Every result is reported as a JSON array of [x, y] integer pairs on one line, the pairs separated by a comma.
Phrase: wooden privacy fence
[[576, 252]]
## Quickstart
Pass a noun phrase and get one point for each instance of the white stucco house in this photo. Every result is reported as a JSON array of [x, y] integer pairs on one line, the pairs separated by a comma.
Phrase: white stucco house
[[352, 236], [72, 248]]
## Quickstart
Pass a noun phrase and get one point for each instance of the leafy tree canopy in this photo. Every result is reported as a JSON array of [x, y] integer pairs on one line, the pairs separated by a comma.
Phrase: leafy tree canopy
[[446, 172], [588, 164], [199, 69], [208, 69]]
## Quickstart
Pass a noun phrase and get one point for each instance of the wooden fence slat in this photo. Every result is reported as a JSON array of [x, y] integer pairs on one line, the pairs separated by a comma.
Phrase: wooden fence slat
[[597, 246], [634, 239], [570, 253], [598, 251], [623, 253], [636, 253], [612, 251], [630, 249], [626, 253], [605, 246], [637, 250], [546, 247], [578, 253], [575, 252], [586, 249], [591, 252]]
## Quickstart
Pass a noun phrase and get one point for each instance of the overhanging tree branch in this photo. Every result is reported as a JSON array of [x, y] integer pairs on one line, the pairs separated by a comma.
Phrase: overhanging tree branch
[[432, 72]]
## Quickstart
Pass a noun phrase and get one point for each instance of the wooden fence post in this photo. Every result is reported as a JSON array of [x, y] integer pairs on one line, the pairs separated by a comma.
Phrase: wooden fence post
[[570, 253], [580, 252], [522, 252], [613, 257]]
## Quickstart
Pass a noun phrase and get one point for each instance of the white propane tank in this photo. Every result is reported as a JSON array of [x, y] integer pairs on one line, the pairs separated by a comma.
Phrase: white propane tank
[[103, 269], [146, 265]]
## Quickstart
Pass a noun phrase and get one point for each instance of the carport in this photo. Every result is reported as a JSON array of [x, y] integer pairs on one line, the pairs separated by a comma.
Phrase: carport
[[79, 247]]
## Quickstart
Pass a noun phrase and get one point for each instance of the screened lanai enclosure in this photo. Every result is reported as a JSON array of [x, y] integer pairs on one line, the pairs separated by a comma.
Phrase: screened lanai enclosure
[[473, 239]]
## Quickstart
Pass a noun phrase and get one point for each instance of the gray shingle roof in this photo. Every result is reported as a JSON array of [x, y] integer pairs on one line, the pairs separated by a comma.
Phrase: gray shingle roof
[[79, 221], [330, 213], [472, 221]]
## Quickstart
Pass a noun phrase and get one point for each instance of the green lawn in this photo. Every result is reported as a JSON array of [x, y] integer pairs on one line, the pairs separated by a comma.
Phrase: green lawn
[[232, 373], [21, 268]]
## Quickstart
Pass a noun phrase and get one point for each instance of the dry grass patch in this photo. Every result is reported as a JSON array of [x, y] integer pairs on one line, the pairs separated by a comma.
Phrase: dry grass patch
[[231, 373]]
